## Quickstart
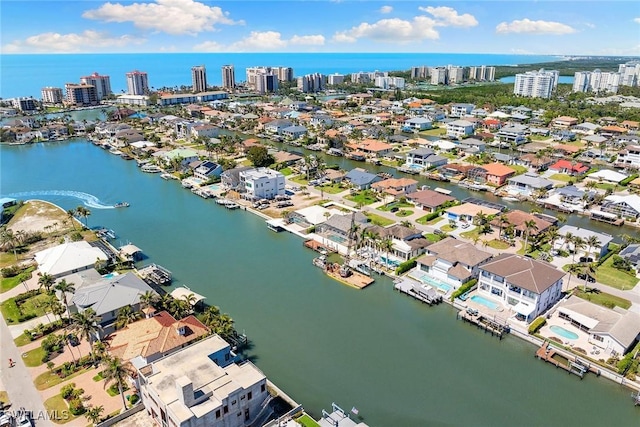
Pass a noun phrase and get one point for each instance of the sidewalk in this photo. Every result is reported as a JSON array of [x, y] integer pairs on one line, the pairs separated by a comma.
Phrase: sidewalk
[[30, 284]]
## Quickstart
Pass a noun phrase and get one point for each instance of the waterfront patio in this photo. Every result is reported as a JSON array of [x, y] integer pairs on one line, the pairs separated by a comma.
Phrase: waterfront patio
[[557, 327]]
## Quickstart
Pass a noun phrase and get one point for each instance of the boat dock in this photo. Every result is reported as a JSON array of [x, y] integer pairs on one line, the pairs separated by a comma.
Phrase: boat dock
[[229, 204], [317, 246], [354, 279], [156, 275], [636, 398], [493, 326], [571, 364], [423, 293]]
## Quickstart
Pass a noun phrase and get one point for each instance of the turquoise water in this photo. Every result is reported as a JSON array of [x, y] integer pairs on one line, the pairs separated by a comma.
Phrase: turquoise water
[[110, 275], [563, 332], [436, 283], [337, 239], [487, 303], [389, 261], [318, 340]]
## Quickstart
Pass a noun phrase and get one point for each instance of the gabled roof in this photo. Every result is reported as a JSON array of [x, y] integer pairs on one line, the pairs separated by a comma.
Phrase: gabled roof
[[527, 273]]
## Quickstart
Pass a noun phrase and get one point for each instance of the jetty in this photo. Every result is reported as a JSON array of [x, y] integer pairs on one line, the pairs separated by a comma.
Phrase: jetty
[[563, 360], [343, 274], [317, 246], [424, 293], [156, 275], [496, 327]]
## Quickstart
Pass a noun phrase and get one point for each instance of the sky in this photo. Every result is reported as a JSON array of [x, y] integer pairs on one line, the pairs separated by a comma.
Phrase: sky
[[542, 27]]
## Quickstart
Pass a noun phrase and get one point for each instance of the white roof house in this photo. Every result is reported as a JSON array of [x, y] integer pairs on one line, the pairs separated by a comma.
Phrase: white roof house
[[68, 258], [608, 175]]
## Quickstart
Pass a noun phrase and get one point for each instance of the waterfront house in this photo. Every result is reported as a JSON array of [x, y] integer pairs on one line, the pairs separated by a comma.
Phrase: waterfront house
[[395, 187], [626, 206], [514, 134], [527, 286], [361, 179], [277, 126], [566, 150], [310, 216], [613, 330], [573, 195], [497, 173], [467, 212], [107, 296], [429, 200], [449, 261], [538, 163], [154, 337], [185, 155], [294, 132], [589, 254], [569, 167], [372, 147], [629, 157], [424, 158], [458, 129], [461, 110], [206, 170], [518, 219], [632, 254], [205, 131], [528, 184], [338, 226], [230, 179], [68, 258], [607, 175], [406, 242], [286, 158], [262, 183], [202, 386], [472, 145]]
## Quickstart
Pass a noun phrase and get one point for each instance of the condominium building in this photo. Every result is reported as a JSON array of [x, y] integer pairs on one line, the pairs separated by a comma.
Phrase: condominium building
[[228, 77], [311, 83], [284, 74], [367, 77], [52, 95], [137, 83], [596, 81], [536, 84], [102, 84], [199, 79], [419, 73], [389, 82], [438, 76], [455, 74], [202, 386], [80, 94], [335, 79], [266, 83], [482, 73], [629, 73], [24, 104]]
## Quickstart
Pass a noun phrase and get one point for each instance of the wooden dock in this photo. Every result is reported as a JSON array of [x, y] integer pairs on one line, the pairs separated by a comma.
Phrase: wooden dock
[[317, 246], [493, 326], [426, 294], [355, 279], [573, 365]]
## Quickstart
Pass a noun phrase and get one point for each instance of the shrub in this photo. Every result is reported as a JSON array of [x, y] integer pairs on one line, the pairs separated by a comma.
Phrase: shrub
[[536, 325], [133, 399], [25, 317], [465, 287], [621, 263], [76, 407], [26, 295], [406, 266], [12, 271], [76, 237], [431, 216], [628, 179], [67, 391]]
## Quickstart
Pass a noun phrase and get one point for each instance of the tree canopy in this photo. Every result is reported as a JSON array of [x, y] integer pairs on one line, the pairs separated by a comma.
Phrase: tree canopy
[[259, 156]]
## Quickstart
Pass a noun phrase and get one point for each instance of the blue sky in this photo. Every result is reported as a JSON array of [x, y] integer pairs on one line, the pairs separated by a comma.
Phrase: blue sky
[[522, 27]]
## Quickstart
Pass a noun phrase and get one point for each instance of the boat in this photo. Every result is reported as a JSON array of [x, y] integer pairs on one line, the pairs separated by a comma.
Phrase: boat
[[384, 175], [106, 233], [186, 183], [320, 262], [376, 162], [510, 199], [335, 152], [168, 176], [121, 205], [149, 168], [126, 156]]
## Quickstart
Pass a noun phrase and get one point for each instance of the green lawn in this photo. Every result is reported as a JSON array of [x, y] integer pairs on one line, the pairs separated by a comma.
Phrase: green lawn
[[404, 212], [389, 206], [21, 340], [447, 228], [379, 220], [539, 137], [307, 421], [113, 389], [434, 132], [362, 198], [519, 169], [606, 186], [286, 171], [332, 188], [33, 358], [602, 298], [613, 277], [49, 379], [498, 244], [31, 306], [300, 179], [423, 220], [4, 397], [432, 237], [470, 234], [59, 410], [11, 282], [562, 177]]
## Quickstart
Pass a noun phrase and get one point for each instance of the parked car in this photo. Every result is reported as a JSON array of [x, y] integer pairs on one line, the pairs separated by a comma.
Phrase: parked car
[[73, 340], [394, 209], [465, 225]]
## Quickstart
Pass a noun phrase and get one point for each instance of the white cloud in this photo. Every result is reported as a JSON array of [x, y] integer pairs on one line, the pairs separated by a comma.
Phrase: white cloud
[[391, 30], [261, 41], [527, 26], [314, 40], [589, 25], [169, 16], [386, 9], [87, 41], [636, 20], [448, 17]]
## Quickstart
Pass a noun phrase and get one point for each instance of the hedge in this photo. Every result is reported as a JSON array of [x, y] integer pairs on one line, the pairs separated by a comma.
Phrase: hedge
[[406, 266], [628, 179], [536, 325], [26, 295], [465, 287], [607, 256]]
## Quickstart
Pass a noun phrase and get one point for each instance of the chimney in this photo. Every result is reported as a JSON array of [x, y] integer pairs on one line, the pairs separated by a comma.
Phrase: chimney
[[185, 391]]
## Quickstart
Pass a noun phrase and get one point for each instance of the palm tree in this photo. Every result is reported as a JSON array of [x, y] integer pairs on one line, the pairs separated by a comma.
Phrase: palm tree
[[126, 315], [46, 281], [85, 323], [63, 287], [83, 213], [94, 414], [589, 271], [386, 245], [502, 222], [190, 299], [529, 227], [568, 239], [114, 371], [148, 299], [223, 326], [99, 350], [71, 213], [578, 243], [573, 269], [592, 242]]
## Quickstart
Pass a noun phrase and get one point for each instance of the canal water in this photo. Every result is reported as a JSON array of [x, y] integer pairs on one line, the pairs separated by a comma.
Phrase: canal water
[[399, 362]]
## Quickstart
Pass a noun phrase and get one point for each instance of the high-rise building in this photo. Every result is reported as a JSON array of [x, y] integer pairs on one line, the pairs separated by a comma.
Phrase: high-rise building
[[102, 84], [596, 81], [24, 104], [266, 83], [285, 74], [419, 73], [137, 83], [80, 94], [455, 74], [199, 79], [228, 77], [482, 73], [389, 82], [335, 79], [311, 83], [438, 75], [52, 95], [629, 73], [536, 84]]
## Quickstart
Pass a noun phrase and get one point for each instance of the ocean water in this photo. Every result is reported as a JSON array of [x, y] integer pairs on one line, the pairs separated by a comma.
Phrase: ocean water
[[25, 75]]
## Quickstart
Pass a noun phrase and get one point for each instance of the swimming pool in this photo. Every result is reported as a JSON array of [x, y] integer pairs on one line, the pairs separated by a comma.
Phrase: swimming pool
[[214, 187], [487, 303], [111, 275], [436, 283], [563, 332], [389, 261], [337, 239]]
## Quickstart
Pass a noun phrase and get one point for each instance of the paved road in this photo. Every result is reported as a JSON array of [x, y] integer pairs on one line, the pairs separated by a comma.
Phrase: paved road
[[17, 381]]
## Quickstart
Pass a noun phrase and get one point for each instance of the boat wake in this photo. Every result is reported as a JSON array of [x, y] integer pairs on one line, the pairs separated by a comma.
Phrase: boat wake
[[88, 200]]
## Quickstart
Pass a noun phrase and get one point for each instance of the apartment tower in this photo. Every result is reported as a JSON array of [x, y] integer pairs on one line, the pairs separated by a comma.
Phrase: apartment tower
[[137, 83], [228, 77], [199, 78]]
